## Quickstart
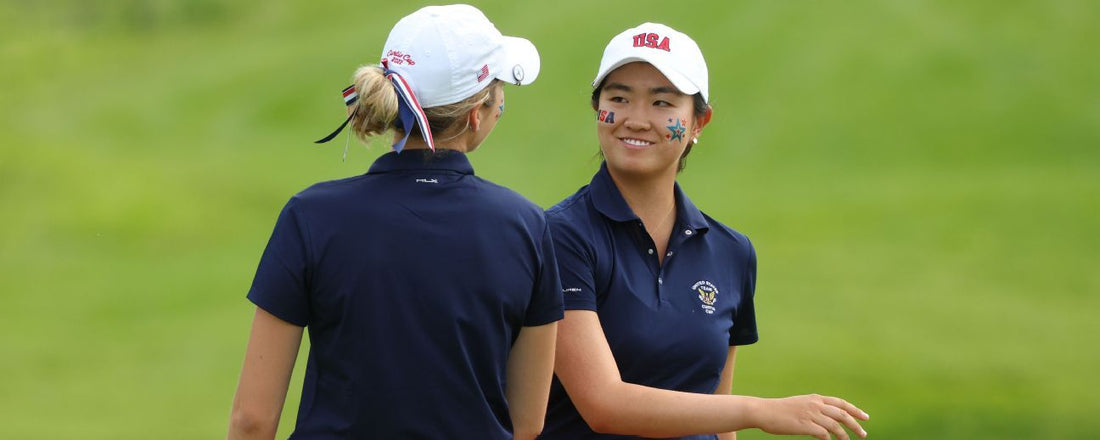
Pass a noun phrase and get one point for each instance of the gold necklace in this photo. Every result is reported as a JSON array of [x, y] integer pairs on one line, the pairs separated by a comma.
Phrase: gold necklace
[[667, 216]]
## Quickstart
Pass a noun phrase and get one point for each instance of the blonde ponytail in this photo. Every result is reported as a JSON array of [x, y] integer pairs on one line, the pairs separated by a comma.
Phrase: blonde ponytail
[[376, 108]]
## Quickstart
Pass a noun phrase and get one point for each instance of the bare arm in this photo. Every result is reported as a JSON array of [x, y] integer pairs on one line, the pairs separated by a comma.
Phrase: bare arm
[[588, 372], [272, 349], [530, 369], [725, 386]]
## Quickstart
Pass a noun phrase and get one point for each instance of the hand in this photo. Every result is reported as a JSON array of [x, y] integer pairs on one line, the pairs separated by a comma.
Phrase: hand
[[812, 415]]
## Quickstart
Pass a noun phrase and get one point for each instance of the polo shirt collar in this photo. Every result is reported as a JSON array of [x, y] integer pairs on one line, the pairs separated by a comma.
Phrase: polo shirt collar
[[607, 199], [689, 215], [610, 202], [442, 160]]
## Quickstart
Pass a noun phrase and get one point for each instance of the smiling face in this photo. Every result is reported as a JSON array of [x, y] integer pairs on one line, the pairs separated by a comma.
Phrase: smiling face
[[644, 123]]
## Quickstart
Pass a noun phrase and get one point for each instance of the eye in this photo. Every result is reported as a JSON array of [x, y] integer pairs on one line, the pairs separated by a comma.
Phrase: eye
[[617, 99], [660, 103]]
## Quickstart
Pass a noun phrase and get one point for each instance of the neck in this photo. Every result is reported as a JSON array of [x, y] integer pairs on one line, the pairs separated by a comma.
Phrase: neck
[[419, 144], [462, 141], [653, 200], [650, 198]]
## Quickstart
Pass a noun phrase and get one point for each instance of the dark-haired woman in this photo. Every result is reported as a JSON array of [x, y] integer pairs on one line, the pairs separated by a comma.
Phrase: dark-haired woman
[[658, 295]]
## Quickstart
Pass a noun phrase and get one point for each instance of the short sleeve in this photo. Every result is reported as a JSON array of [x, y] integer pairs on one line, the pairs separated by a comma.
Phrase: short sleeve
[[545, 306], [575, 266], [280, 285], [744, 319]]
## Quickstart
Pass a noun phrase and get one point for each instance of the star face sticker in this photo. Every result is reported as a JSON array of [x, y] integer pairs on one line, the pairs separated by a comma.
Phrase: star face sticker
[[677, 131]]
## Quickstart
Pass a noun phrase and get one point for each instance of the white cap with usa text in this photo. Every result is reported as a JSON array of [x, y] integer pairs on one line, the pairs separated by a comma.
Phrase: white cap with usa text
[[449, 53], [672, 52]]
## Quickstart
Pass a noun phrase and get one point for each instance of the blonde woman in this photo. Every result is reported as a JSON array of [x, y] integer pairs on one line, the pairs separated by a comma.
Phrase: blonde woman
[[431, 295]]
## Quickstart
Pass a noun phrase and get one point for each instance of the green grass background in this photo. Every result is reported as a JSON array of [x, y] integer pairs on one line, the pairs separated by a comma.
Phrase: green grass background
[[920, 179]]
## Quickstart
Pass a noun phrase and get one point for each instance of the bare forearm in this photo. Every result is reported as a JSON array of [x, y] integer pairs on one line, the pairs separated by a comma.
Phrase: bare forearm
[[652, 412], [587, 369], [529, 372], [269, 360], [243, 427], [725, 385]]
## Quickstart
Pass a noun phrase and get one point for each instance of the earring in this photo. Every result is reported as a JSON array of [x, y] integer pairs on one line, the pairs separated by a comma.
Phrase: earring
[[695, 140]]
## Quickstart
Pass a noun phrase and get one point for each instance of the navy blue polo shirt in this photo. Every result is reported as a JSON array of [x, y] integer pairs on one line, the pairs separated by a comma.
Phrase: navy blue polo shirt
[[414, 280], [668, 325]]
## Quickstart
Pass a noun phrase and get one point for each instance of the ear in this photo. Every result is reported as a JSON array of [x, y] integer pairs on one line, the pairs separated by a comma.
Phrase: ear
[[702, 121], [474, 117]]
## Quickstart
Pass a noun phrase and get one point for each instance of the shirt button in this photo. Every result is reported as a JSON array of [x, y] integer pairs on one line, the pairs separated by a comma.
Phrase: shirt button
[[669, 254], [660, 280], [651, 252], [687, 232]]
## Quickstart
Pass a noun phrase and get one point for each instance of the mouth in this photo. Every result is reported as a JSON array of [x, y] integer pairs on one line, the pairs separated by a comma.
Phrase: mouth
[[635, 143]]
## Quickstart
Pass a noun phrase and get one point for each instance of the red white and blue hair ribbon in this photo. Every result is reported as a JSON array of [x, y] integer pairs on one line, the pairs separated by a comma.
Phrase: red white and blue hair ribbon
[[409, 112], [350, 95]]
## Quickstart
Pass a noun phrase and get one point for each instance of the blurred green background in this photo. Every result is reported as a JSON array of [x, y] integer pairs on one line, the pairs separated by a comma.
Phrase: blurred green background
[[920, 179]]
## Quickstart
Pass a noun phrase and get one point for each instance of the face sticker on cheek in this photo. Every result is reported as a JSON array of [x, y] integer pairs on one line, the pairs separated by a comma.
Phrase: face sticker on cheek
[[501, 107], [605, 116], [676, 131]]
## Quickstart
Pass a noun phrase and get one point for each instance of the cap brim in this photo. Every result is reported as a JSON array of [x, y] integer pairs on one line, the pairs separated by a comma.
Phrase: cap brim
[[677, 79], [520, 63]]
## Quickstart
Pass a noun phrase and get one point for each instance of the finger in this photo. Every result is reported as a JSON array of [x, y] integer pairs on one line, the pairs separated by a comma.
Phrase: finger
[[844, 417], [832, 426], [847, 407], [820, 433]]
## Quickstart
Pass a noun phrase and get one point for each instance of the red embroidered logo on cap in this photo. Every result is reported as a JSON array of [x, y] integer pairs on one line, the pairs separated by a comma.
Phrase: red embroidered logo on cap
[[650, 40], [483, 73], [398, 57]]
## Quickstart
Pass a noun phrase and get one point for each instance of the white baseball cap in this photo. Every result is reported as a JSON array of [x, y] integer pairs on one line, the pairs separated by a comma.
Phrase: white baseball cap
[[672, 52], [448, 53]]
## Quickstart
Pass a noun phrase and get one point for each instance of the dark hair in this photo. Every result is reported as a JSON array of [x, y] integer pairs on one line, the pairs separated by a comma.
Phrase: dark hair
[[699, 106]]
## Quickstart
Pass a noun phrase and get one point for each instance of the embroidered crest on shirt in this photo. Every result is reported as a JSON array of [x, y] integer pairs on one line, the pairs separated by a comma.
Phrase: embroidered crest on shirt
[[708, 295]]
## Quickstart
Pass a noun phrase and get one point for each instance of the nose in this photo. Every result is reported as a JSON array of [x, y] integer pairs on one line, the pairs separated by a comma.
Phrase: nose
[[635, 123]]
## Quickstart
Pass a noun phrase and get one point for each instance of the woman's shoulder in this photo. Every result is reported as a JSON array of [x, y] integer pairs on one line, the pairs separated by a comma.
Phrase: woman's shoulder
[[723, 233], [570, 208], [575, 220], [329, 189], [320, 193], [506, 199]]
